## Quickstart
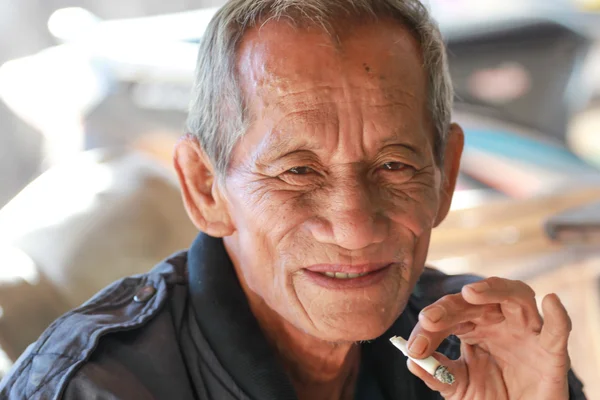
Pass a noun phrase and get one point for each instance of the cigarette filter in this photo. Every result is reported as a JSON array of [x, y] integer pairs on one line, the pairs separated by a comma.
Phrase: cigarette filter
[[429, 364]]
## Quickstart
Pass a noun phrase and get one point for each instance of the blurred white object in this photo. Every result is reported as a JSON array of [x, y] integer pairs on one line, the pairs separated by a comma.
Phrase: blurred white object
[[17, 266], [52, 91], [77, 24], [54, 82], [72, 22], [148, 48], [584, 135]]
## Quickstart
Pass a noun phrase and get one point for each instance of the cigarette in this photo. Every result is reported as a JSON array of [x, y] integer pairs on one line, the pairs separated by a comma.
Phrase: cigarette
[[429, 364]]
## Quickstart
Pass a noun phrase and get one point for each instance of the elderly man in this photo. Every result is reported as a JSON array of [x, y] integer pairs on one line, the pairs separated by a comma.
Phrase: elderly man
[[319, 159]]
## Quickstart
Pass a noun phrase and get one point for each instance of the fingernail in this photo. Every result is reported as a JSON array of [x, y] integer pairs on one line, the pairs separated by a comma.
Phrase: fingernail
[[419, 345], [479, 286], [434, 314]]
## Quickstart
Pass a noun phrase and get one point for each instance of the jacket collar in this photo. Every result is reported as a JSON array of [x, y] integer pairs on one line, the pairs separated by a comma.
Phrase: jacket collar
[[224, 316]]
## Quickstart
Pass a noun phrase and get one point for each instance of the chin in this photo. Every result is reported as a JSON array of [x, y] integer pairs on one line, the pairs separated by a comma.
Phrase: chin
[[356, 327]]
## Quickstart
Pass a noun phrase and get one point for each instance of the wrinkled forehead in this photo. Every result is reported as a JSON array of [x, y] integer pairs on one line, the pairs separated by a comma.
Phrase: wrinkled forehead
[[281, 63]]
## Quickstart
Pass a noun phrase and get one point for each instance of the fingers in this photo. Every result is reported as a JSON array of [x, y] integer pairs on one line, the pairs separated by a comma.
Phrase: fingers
[[554, 336], [487, 302], [458, 370], [497, 290], [516, 299], [453, 310], [451, 315]]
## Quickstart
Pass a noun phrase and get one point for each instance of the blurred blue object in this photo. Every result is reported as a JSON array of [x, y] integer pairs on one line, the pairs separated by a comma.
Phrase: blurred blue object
[[507, 160], [541, 153]]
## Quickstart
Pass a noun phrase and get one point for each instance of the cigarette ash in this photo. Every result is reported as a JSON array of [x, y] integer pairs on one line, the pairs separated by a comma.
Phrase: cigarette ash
[[443, 375]]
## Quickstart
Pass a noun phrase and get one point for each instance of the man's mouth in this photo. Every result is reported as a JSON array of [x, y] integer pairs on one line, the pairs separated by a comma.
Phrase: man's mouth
[[342, 275], [348, 276]]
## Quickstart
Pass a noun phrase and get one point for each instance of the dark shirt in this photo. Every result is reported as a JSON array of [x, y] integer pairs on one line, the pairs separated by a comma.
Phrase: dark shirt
[[367, 386], [185, 331]]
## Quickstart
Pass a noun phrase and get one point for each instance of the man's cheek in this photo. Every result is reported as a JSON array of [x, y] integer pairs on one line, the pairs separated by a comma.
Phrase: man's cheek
[[413, 218], [420, 255], [415, 210], [251, 212], [272, 203]]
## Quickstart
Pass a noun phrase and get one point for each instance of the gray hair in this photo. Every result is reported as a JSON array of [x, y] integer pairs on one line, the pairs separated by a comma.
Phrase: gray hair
[[217, 115]]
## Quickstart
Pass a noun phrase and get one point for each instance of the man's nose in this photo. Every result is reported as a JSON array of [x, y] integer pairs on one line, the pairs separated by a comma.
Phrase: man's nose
[[351, 217]]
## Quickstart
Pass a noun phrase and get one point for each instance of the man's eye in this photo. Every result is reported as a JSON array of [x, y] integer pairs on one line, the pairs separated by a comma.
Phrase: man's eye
[[300, 170], [394, 166]]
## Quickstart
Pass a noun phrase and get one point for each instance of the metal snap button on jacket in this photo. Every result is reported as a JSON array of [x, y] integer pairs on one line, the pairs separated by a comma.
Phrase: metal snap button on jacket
[[144, 294]]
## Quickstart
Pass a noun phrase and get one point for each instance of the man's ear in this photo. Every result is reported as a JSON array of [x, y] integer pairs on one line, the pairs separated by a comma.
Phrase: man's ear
[[202, 195], [452, 154]]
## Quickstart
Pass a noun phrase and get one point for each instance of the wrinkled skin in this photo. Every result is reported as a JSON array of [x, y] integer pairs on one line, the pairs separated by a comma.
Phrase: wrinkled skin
[[337, 167]]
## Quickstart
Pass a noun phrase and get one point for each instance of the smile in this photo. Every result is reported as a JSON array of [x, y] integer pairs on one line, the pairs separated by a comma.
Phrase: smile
[[341, 275], [353, 277]]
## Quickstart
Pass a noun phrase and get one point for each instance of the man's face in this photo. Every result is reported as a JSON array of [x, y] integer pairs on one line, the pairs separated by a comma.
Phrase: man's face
[[333, 191]]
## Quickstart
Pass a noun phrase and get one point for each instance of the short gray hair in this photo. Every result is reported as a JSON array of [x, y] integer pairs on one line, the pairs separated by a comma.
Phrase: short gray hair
[[217, 115]]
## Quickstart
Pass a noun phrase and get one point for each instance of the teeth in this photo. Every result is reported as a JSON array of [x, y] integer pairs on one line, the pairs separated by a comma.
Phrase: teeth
[[341, 275]]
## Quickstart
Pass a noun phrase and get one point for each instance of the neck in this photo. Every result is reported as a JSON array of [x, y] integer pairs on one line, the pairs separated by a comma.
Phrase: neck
[[319, 370]]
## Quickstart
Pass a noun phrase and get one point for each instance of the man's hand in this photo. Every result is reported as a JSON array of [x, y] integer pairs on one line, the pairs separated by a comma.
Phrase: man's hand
[[507, 350]]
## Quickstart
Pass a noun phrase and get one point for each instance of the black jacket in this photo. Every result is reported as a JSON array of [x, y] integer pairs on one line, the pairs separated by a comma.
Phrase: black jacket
[[184, 331]]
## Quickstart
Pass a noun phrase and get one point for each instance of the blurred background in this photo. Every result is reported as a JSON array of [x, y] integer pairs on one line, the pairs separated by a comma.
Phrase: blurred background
[[93, 96]]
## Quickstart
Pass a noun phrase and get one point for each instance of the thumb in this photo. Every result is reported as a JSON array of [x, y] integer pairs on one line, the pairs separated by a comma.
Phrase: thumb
[[554, 336], [448, 391]]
